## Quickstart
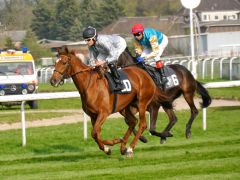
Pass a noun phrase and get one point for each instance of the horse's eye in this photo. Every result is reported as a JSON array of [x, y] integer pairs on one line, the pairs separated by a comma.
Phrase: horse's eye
[[64, 63]]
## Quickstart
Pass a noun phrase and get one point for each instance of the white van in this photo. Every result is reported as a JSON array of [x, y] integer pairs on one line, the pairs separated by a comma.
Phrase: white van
[[17, 75]]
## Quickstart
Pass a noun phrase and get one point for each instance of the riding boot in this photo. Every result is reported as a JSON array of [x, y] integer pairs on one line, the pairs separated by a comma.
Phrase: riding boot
[[163, 76], [115, 75], [160, 67]]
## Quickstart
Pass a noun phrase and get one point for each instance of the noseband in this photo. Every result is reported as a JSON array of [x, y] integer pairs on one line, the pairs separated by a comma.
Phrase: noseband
[[63, 74]]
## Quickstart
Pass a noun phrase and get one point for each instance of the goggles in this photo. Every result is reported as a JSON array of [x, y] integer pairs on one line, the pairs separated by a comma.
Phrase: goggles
[[137, 34], [87, 40]]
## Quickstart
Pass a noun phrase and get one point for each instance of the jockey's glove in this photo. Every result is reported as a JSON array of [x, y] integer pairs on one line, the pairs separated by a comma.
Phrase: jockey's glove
[[140, 59]]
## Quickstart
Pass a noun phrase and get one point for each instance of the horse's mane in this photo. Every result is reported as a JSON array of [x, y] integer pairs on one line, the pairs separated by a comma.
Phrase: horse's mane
[[126, 59]]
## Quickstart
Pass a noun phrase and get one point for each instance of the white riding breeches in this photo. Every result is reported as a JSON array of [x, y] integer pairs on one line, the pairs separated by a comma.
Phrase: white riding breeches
[[161, 48]]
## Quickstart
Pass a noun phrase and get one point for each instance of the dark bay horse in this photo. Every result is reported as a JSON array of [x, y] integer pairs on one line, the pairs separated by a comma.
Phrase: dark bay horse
[[187, 87], [98, 102]]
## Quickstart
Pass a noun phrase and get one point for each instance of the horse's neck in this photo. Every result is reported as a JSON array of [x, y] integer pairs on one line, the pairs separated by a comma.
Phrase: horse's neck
[[125, 60], [82, 76]]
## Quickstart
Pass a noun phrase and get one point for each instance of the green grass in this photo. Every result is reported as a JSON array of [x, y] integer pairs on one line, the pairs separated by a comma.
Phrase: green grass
[[59, 152], [14, 117], [225, 93], [46, 87]]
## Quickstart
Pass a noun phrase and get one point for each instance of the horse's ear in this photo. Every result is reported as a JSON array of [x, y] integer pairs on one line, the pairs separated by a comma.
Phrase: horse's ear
[[73, 52], [66, 49], [58, 49]]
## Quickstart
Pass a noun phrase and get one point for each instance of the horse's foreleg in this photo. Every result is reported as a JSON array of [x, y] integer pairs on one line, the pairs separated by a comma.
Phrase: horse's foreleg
[[96, 132], [142, 127], [131, 121], [112, 142], [166, 133], [172, 120], [153, 110], [133, 112]]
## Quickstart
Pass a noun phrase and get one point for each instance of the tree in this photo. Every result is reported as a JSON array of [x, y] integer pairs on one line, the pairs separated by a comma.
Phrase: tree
[[43, 21], [16, 14], [36, 50], [89, 13], [9, 43], [66, 15], [109, 11], [76, 30]]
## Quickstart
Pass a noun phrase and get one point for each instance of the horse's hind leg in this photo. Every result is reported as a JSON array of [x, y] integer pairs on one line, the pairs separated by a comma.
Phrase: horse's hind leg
[[194, 112]]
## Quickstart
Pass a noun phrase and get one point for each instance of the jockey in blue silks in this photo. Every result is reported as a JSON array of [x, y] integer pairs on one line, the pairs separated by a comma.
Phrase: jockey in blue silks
[[150, 44]]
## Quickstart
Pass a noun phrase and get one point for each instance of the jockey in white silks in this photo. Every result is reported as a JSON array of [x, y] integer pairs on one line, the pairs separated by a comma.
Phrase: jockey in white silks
[[105, 49]]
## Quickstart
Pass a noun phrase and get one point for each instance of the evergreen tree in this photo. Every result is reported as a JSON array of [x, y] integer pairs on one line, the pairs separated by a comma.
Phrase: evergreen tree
[[43, 21], [109, 11], [9, 43], [36, 50], [89, 13], [75, 33], [66, 15]]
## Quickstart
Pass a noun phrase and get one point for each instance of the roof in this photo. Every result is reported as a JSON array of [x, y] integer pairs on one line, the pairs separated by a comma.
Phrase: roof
[[53, 43], [221, 23], [219, 5], [123, 25], [213, 5]]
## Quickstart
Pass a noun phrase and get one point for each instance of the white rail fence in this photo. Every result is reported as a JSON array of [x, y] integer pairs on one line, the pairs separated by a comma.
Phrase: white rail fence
[[75, 94], [215, 67]]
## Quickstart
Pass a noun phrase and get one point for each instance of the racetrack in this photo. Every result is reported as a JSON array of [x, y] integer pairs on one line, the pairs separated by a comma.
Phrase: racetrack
[[179, 104]]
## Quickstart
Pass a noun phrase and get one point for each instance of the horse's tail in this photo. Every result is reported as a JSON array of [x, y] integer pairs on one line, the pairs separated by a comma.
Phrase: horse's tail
[[206, 99]]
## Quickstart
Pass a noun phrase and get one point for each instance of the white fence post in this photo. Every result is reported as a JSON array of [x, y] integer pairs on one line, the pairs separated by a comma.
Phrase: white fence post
[[24, 141], [221, 67], [204, 119], [84, 126], [212, 66], [230, 67]]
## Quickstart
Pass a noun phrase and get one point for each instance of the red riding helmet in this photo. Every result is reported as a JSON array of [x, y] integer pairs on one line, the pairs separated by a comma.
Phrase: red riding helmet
[[137, 28]]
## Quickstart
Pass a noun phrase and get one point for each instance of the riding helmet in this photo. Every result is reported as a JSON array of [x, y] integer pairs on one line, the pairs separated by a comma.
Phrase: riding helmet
[[137, 28], [89, 32]]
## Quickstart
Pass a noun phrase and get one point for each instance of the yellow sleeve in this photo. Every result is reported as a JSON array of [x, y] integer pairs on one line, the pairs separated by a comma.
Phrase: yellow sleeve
[[155, 47], [138, 47]]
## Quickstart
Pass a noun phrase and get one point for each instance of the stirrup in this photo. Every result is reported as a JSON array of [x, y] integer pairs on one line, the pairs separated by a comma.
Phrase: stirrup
[[164, 80]]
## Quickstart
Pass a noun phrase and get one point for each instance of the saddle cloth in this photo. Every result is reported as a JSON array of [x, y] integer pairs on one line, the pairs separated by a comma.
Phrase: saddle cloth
[[126, 86], [169, 73]]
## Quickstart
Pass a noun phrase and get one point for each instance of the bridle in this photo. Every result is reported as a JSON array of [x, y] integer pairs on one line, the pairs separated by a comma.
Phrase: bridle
[[64, 73]]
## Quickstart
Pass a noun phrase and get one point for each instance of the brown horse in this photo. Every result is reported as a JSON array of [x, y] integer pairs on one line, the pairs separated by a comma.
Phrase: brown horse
[[187, 87], [98, 102]]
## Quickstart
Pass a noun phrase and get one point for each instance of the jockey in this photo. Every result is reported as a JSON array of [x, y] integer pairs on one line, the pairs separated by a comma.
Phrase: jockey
[[105, 48], [150, 44]]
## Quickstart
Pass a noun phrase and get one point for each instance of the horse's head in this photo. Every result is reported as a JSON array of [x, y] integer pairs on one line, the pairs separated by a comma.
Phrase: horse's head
[[62, 67]]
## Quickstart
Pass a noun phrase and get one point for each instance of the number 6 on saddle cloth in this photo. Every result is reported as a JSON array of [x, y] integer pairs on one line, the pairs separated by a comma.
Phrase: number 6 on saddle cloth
[[169, 72]]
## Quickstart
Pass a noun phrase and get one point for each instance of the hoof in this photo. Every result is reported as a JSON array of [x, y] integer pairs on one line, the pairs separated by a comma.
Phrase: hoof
[[129, 152], [123, 151], [107, 150], [143, 139], [166, 134], [188, 135], [163, 140]]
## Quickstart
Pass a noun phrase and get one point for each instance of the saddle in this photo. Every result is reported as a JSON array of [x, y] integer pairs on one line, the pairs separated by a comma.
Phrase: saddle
[[169, 72], [126, 86]]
